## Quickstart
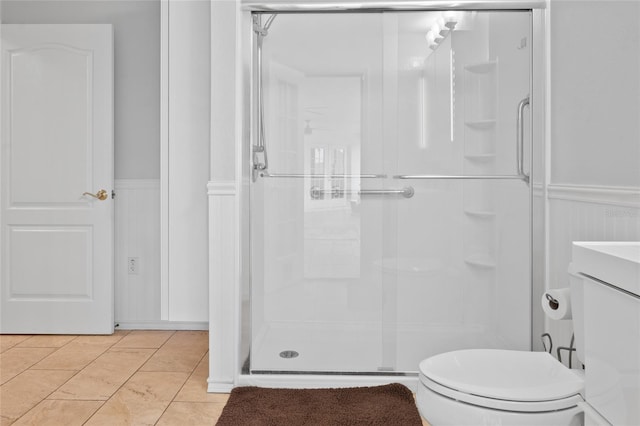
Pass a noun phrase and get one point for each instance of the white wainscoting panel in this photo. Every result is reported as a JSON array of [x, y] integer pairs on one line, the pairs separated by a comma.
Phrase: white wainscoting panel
[[137, 224], [223, 290], [585, 213], [137, 234]]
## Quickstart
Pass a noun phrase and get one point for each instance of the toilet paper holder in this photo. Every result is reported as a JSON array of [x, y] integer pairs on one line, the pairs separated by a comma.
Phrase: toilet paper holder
[[569, 349], [553, 303]]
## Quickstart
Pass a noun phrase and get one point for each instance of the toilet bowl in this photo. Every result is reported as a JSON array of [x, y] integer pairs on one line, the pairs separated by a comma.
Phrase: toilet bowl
[[491, 386]]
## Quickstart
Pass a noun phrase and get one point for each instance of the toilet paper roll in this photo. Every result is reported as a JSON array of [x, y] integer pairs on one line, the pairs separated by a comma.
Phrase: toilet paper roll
[[556, 303]]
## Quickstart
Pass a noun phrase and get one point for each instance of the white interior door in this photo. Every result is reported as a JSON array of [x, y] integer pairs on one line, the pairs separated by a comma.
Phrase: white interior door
[[57, 144]]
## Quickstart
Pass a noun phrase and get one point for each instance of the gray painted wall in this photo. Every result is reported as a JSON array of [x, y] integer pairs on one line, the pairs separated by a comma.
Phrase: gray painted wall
[[595, 92], [137, 70]]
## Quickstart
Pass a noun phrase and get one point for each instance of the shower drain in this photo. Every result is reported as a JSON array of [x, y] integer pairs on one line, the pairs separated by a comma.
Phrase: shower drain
[[288, 354]]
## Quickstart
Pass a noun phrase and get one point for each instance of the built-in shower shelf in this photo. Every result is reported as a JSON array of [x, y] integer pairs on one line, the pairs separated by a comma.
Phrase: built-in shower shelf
[[483, 214], [481, 67], [480, 157], [481, 261], [481, 124]]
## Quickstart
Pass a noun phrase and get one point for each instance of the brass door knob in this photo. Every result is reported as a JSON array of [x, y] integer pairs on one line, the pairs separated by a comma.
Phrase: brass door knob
[[100, 195]]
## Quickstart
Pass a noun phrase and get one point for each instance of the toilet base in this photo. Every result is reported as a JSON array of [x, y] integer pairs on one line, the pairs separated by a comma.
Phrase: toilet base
[[439, 410]]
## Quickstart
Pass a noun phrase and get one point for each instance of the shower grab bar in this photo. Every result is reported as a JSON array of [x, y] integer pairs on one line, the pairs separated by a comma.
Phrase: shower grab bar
[[316, 192], [319, 176], [469, 177], [520, 138]]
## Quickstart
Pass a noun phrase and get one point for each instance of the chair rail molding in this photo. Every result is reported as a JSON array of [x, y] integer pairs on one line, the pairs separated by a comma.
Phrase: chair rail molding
[[222, 187], [612, 195]]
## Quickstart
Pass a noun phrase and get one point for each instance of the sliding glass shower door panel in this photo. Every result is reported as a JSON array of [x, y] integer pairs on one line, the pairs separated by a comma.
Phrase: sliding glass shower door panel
[[316, 302], [391, 220], [463, 258]]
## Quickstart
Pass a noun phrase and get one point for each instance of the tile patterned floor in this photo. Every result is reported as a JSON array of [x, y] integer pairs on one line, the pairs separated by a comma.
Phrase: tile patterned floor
[[128, 378]]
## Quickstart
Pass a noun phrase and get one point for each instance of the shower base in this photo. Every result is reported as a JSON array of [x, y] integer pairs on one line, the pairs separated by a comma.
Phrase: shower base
[[364, 349]]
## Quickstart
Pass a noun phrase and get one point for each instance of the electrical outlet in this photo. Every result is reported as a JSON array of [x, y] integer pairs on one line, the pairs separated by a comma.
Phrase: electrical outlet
[[133, 264]]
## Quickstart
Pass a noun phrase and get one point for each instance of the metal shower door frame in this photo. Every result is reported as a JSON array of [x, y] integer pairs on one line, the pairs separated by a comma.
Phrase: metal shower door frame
[[537, 133]]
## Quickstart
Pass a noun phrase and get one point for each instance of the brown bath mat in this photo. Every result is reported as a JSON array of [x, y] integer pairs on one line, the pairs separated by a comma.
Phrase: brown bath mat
[[386, 405]]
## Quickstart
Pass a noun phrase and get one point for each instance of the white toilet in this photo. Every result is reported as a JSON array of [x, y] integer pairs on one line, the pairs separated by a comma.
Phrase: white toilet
[[503, 387], [500, 387]]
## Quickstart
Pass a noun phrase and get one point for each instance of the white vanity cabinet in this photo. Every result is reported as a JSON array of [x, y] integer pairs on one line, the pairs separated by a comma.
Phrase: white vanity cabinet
[[611, 280]]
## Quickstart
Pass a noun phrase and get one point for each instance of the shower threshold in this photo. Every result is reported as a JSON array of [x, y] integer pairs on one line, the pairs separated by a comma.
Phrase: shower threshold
[[338, 380]]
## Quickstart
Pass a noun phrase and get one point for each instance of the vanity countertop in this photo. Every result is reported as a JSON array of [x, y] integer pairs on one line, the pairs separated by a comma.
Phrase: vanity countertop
[[614, 262]]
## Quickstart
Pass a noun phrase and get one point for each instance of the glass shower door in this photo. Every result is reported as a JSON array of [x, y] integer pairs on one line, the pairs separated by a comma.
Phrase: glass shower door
[[391, 220], [462, 272], [316, 302]]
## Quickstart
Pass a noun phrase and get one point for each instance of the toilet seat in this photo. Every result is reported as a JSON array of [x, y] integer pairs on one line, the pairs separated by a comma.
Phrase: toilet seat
[[505, 380]]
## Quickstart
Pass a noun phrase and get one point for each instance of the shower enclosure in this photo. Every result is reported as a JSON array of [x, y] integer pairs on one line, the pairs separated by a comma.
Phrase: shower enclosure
[[389, 171]]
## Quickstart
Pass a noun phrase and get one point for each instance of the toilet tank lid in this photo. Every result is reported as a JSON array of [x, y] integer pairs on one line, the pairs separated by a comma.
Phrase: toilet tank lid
[[503, 374]]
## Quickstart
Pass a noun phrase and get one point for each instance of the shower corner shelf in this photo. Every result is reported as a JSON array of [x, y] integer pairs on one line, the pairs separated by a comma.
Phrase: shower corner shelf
[[481, 124], [484, 214], [481, 67], [480, 157], [482, 261]]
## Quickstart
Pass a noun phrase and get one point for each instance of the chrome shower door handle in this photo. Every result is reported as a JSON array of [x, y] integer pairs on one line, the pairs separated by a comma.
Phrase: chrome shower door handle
[[520, 138]]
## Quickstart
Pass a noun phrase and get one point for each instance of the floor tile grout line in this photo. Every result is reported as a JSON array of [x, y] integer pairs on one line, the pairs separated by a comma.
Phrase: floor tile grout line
[[171, 401], [14, 345], [182, 402], [123, 383], [68, 343], [36, 369], [31, 367], [114, 392], [50, 393], [46, 399], [183, 384], [155, 350], [75, 336], [86, 367], [190, 376], [138, 371]]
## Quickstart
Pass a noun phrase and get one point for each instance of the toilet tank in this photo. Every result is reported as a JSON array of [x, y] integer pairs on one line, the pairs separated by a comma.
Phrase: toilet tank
[[610, 327]]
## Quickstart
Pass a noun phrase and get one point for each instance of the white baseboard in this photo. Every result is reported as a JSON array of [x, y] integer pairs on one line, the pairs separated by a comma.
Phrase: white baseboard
[[161, 325], [214, 387]]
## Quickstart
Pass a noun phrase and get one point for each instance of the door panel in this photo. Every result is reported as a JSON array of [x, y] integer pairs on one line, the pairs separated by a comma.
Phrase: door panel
[[38, 76], [40, 244], [57, 150]]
